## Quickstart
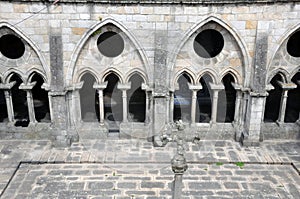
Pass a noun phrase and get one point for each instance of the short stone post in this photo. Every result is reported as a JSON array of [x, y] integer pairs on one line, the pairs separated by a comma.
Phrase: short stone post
[[179, 166]]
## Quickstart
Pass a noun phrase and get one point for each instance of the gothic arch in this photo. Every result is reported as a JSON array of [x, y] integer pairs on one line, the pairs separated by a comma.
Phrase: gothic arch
[[285, 36], [181, 72], [282, 72], [209, 72], [32, 72], [241, 44], [114, 71], [293, 73], [11, 72], [138, 72], [235, 75], [45, 67], [89, 70], [92, 30]]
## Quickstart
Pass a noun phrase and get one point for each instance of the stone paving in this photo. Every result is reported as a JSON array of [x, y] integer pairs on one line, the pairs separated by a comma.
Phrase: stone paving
[[135, 169]]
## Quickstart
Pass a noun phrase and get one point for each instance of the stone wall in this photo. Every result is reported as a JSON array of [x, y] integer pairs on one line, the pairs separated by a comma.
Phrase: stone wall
[[158, 46]]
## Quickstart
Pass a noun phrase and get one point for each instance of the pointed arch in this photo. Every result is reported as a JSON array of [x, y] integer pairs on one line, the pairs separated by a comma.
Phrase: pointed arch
[[32, 72], [283, 39], [186, 71], [237, 78], [241, 44], [209, 72], [138, 72], [11, 72], [110, 71], [88, 34], [84, 71], [281, 71], [294, 72], [32, 44]]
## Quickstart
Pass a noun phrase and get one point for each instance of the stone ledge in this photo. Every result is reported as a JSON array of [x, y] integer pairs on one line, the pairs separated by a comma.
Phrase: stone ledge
[[204, 2]]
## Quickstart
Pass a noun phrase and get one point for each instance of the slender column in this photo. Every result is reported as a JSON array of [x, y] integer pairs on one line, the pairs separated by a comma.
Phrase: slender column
[[9, 105], [195, 89], [30, 104], [286, 87], [8, 99], [100, 88], [216, 88], [237, 106], [147, 90], [171, 106], [124, 88], [74, 107]]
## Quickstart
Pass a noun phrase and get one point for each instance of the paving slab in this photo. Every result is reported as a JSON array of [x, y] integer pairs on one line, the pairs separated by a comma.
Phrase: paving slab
[[136, 169]]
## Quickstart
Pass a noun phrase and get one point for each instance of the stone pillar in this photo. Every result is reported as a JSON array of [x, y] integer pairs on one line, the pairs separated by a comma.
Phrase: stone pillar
[[100, 88], [285, 88], [194, 89], [237, 113], [215, 88], [254, 116], [8, 99], [298, 121], [73, 99], [30, 104], [124, 88]]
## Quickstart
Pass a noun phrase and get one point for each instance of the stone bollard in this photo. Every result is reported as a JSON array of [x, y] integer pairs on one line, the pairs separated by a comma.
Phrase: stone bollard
[[179, 166]]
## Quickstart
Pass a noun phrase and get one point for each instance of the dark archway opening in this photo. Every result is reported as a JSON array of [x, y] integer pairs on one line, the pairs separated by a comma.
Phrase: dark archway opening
[[293, 45], [293, 102], [89, 100], [204, 101], [3, 107], [137, 100], [182, 99], [273, 101], [226, 101], [40, 100], [208, 43], [19, 101], [113, 108], [11, 46]]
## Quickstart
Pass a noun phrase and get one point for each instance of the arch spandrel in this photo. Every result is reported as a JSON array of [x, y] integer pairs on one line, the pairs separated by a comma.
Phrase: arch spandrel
[[87, 53], [234, 53], [32, 59]]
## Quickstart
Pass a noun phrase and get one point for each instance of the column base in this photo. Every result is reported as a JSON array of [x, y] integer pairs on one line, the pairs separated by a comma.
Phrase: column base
[[249, 142]]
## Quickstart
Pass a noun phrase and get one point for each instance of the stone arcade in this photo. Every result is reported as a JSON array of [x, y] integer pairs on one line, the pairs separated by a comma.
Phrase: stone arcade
[[85, 69]]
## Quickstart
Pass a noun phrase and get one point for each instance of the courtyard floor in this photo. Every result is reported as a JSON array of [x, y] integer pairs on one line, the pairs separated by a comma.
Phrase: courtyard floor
[[130, 169]]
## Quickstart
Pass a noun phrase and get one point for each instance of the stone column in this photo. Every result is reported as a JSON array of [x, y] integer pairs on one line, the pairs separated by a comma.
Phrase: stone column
[[100, 88], [147, 90], [30, 104], [194, 89], [124, 88], [285, 87], [8, 99], [171, 106], [238, 89], [215, 88], [298, 121]]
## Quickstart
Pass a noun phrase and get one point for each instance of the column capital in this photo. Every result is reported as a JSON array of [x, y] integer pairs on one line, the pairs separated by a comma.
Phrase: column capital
[[237, 87], [100, 86], [195, 87], [75, 86], [217, 87], [146, 87], [287, 86], [27, 86], [7, 86], [125, 86]]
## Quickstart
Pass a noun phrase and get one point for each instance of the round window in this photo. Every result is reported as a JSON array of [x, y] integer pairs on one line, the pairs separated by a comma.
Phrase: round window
[[293, 45], [208, 43], [110, 44], [11, 46]]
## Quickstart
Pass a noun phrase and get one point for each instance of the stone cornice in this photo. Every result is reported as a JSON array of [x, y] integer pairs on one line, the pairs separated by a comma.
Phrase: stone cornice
[[181, 2]]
